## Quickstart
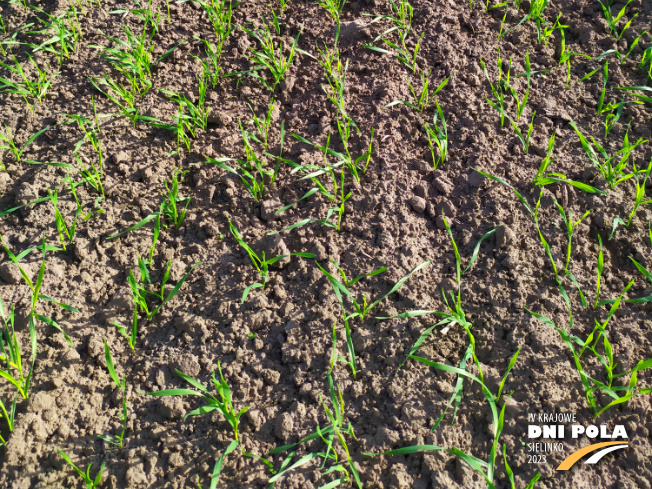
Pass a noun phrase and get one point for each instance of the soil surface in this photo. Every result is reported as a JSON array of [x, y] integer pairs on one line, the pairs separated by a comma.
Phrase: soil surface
[[275, 350]]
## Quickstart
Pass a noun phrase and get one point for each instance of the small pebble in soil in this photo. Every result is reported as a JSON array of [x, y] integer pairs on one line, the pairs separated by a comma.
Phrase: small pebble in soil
[[254, 418], [504, 236], [283, 426], [600, 220], [385, 240], [511, 261], [268, 210], [442, 185], [475, 179], [439, 221], [10, 274], [419, 191], [5, 180], [418, 204], [319, 251], [445, 207]]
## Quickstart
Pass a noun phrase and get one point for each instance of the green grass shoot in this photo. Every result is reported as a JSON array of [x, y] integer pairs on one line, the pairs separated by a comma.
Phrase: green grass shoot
[[486, 469], [117, 440], [65, 30], [261, 263], [613, 168], [361, 305], [144, 288], [437, 134], [270, 55], [31, 90], [335, 431], [85, 476], [223, 404]]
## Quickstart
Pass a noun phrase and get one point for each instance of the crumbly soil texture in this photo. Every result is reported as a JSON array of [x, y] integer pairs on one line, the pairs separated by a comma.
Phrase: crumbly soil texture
[[276, 349]]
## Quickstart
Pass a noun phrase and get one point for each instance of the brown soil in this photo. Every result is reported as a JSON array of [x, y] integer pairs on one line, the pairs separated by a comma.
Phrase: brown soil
[[275, 349]]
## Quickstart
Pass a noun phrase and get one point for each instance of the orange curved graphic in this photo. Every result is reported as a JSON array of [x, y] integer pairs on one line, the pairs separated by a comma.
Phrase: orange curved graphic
[[575, 456]]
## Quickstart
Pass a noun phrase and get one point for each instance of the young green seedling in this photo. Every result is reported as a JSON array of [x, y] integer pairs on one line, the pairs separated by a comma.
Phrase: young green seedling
[[534, 214], [133, 58], [421, 99], [146, 14], [486, 469], [612, 20], [251, 170], [220, 13], [333, 7], [66, 32], [566, 57], [171, 206], [27, 88], [271, 56], [65, 232], [646, 273], [612, 118], [335, 73], [13, 369], [613, 167], [536, 15], [10, 417], [549, 31], [334, 431], [578, 346], [547, 160], [400, 49], [260, 262], [140, 291], [639, 197], [10, 143], [520, 104], [500, 87], [454, 315], [570, 226], [262, 125], [437, 136], [91, 3], [605, 75], [314, 172], [86, 476], [127, 101], [401, 16], [10, 41], [646, 59], [600, 267], [192, 115], [525, 139], [223, 404], [211, 67], [355, 166], [362, 308], [92, 132], [36, 293], [633, 45], [117, 440]]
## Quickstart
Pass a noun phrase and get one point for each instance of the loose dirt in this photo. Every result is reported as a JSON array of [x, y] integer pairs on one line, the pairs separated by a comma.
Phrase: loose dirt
[[275, 349]]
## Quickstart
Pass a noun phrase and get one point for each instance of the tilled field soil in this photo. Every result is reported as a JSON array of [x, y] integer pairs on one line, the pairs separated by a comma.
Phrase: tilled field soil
[[275, 349]]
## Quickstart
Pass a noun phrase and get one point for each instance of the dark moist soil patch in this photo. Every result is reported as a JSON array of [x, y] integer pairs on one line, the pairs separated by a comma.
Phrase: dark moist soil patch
[[275, 349]]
